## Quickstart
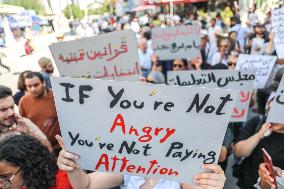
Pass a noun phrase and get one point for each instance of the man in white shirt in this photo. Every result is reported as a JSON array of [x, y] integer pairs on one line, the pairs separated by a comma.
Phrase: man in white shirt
[[213, 30], [253, 16], [145, 54]]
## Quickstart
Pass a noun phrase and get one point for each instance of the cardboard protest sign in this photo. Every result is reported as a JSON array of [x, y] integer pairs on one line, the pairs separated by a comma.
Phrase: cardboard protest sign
[[228, 79], [108, 56], [277, 109], [142, 129], [263, 65], [176, 42], [278, 28]]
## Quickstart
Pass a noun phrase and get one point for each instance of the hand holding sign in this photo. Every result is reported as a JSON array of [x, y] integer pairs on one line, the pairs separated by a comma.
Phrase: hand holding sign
[[215, 178], [66, 161], [121, 132]]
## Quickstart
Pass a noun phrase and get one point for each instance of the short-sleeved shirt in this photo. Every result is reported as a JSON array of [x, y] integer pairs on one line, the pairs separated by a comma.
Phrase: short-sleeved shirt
[[145, 58]]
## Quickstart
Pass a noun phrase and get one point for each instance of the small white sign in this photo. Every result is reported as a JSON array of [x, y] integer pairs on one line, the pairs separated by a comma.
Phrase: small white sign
[[176, 42], [263, 65], [278, 29]]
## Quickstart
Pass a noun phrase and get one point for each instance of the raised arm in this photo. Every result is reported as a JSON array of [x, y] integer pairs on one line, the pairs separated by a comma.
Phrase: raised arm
[[78, 178], [245, 147]]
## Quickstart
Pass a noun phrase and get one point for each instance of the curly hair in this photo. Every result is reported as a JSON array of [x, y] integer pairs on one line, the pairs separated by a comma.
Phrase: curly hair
[[37, 164]]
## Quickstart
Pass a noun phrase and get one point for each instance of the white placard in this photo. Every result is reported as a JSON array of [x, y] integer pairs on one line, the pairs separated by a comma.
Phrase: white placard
[[228, 79], [176, 42], [276, 114], [263, 65], [142, 129], [278, 28], [108, 56]]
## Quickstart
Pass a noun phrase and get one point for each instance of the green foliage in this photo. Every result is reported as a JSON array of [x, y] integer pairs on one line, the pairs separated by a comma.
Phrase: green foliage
[[73, 10], [27, 4], [100, 11]]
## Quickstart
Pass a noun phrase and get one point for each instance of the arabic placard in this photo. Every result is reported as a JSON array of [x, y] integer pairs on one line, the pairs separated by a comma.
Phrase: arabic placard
[[278, 29], [263, 65], [176, 42], [142, 129], [108, 56], [227, 79], [277, 109]]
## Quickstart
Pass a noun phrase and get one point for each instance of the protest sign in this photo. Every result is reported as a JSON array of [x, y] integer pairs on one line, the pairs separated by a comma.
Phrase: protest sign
[[176, 42], [277, 109], [228, 79], [263, 65], [108, 56], [278, 29], [142, 129]]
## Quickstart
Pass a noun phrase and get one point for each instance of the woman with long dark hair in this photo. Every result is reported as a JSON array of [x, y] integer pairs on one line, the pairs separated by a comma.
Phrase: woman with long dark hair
[[26, 164]]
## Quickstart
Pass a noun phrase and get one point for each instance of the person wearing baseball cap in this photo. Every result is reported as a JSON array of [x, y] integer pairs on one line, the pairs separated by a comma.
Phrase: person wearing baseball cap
[[46, 70]]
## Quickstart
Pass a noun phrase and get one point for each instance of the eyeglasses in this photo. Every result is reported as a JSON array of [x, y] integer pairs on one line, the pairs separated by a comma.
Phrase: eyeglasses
[[178, 65], [7, 182], [231, 64]]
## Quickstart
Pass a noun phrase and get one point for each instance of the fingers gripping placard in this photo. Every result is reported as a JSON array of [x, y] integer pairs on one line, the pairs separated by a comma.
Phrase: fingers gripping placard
[[142, 129]]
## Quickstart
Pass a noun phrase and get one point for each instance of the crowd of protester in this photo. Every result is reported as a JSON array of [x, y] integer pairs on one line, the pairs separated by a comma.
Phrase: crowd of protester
[[32, 158]]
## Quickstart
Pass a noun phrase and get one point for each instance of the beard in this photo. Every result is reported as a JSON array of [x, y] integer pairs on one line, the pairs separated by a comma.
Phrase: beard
[[49, 71], [4, 126]]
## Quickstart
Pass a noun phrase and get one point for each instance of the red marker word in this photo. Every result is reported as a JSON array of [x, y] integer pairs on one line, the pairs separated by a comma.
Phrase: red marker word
[[145, 135]]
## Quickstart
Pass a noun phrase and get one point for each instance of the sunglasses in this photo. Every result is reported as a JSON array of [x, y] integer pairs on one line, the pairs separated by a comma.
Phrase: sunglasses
[[223, 46], [178, 65], [7, 182], [231, 64]]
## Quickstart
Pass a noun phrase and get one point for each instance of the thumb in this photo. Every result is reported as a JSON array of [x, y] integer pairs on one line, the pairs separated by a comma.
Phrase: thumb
[[60, 141]]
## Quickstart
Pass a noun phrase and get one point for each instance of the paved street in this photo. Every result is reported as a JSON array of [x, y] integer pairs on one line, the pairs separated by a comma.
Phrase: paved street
[[18, 61]]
